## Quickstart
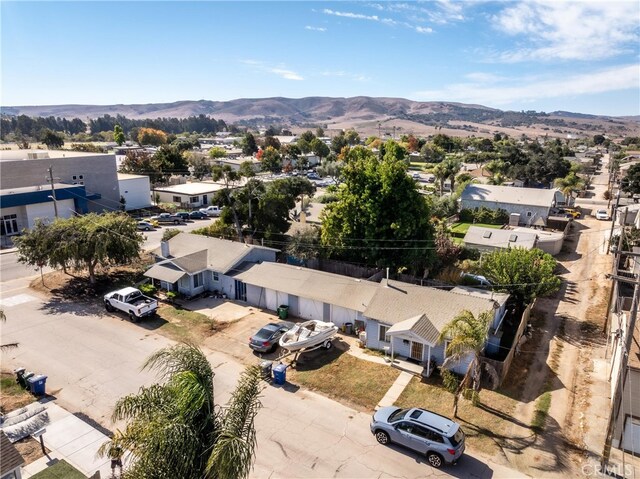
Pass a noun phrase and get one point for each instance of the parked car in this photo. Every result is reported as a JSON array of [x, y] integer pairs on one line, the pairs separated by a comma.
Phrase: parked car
[[132, 302], [197, 215], [603, 215], [572, 212], [184, 215], [439, 438], [168, 218], [266, 339], [211, 210], [153, 222], [313, 176], [145, 226]]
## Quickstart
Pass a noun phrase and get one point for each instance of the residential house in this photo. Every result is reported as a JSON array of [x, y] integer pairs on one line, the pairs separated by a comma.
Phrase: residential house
[[10, 459], [136, 191], [402, 318], [532, 204], [191, 264], [492, 239], [235, 162]]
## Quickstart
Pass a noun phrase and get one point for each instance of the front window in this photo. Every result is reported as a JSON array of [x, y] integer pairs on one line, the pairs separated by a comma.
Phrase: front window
[[382, 334], [216, 276], [194, 199], [197, 280], [177, 199]]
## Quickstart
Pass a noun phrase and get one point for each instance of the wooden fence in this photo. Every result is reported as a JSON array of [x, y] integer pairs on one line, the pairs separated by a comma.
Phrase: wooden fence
[[502, 367]]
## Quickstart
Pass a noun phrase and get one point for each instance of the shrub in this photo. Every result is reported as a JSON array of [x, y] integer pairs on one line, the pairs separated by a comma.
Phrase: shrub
[[171, 295], [484, 215], [170, 233], [450, 380], [466, 216], [607, 195], [327, 198], [148, 289]]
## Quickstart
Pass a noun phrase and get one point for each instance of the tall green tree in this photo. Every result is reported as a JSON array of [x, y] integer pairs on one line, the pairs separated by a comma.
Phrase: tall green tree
[[467, 335], [524, 274], [570, 183], [118, 135], [82, 242], [271, 160], [249, 145], [217, 152], [52, 139], [631, 181], [380, 218], [172, 160], [175, 429], [143, 163], [319, 148]]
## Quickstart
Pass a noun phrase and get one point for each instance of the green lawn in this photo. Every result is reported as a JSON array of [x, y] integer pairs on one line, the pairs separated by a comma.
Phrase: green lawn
[[60, 470], [460, 229]]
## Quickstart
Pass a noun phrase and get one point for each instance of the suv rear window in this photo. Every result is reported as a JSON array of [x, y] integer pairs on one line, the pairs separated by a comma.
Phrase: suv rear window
[[457, 438]]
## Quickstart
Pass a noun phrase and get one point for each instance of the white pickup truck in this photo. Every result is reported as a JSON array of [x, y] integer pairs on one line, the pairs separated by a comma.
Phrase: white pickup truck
[[132, 302]]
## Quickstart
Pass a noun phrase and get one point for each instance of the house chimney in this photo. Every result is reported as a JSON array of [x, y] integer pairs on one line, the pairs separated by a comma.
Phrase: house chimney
[[164, 249]]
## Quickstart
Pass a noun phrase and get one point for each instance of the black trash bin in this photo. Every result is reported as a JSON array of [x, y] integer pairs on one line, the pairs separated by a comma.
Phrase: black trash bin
[[20, 376], [348, 328]]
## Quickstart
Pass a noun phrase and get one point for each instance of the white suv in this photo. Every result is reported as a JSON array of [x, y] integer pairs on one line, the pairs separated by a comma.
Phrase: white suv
[[439, 438]]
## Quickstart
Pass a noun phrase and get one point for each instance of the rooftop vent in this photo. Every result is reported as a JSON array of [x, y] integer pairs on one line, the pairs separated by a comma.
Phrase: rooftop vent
[[513, 238], [487, 234]]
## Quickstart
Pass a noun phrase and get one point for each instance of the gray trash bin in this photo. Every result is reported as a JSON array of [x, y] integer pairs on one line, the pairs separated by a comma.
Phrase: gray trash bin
[[265, 369], [348, 328]]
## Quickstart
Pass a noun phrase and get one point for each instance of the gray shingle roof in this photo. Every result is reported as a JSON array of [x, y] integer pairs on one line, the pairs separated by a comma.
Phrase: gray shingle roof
[[509, 194], [498, 238], [210, 253], [330, 288], [10, 458], [164, 272], [395, 302]]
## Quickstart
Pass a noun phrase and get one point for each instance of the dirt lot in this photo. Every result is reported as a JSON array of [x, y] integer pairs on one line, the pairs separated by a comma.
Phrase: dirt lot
[[566, 334]]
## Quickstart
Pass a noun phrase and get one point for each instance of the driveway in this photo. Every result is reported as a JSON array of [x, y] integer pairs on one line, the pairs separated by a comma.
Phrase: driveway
[[92, 359]]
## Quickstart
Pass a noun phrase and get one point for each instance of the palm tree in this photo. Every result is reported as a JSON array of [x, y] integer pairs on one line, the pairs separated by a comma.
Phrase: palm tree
[[497, 179], [467, 335], [440, 172], [453, 168], [175, 429], [570, 183]]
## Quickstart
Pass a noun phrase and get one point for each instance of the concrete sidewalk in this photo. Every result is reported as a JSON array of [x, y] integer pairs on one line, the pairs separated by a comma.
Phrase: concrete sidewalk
[[70, 438], [395, 390]]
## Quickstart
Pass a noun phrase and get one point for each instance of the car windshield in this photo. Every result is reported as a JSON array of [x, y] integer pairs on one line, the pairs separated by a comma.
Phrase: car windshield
[[397, 415], [457, 438]]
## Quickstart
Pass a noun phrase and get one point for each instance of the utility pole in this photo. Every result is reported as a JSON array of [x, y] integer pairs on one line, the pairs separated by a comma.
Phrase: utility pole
[[53, 191], [624, 368]]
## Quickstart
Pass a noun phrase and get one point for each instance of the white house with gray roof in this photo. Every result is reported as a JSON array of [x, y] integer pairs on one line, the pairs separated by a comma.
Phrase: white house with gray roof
[[191, 264], [532, 204], [492, 239], [405, 318]]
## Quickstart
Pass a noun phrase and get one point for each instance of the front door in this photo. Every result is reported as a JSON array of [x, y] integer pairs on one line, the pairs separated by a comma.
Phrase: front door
[[204, 200], [241, 291], [416, 351]]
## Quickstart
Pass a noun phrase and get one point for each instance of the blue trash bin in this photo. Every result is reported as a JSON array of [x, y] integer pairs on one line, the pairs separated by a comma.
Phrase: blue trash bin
[[280, 374], [37, 384]]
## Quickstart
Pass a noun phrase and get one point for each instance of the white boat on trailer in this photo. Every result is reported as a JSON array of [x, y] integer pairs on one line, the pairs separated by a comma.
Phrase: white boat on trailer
[[308, 335]]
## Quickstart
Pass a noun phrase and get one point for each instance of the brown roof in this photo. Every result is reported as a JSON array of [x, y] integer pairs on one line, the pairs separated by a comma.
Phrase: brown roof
[[10, 458]]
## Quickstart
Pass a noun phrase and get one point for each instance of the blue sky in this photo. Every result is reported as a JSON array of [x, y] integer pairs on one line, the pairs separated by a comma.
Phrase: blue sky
[[535, 55]]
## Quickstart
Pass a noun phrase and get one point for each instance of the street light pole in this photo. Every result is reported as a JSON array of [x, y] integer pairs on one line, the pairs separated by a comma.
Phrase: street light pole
[[53, 191]]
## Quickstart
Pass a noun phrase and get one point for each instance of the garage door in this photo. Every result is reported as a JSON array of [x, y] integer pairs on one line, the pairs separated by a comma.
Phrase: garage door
[[631, 437], [310, 309], [340, 315], [271, 297]]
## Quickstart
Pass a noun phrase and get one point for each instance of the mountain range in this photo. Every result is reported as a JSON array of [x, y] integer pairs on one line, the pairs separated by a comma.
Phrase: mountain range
[[366, 114]]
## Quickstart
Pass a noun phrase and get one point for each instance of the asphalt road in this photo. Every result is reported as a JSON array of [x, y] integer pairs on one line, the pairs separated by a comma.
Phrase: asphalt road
[[93, 358]]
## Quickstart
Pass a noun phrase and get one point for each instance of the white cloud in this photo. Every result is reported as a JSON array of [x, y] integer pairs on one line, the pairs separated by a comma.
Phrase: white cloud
[[376, 18], [279, 70], [315, 29], [490, 90], [439, 11], [570, 30]]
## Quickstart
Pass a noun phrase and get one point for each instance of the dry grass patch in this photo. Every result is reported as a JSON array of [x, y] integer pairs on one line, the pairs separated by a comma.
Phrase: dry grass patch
[[12, 395], [488, 426], [182, 324], [359, 383]]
